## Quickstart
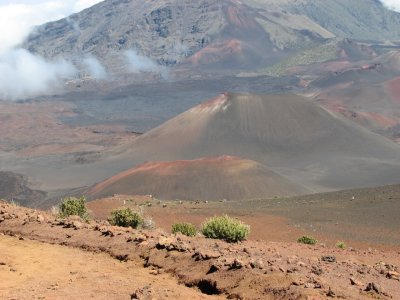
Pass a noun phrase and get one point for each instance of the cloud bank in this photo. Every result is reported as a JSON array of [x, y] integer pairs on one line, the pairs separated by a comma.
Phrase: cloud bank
[[139, 63], [23, 75], [392, 4], [94, 68]]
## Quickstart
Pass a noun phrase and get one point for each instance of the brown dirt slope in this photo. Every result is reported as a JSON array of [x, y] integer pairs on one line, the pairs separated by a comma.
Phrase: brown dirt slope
[[33, 270], [223, 177], [248, 270]]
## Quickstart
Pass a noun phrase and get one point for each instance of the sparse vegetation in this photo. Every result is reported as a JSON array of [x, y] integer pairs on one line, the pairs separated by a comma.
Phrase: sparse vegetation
[[225, 228], [187, 229], [308, 240], [73, 206], [125, 217], [14, 203], [341, 245]]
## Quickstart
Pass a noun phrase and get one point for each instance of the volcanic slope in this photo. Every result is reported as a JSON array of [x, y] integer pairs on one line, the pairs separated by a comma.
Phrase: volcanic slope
[[224, 177], [289, 134], [367, 94]]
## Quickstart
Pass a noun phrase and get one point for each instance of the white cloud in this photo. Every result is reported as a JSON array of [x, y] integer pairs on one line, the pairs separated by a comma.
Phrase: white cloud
[[139, 63], [22, 74], [392, 4], [95, 69]]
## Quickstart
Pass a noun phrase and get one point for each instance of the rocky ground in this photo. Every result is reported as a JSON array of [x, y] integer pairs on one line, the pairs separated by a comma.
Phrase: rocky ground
[[247, 270]]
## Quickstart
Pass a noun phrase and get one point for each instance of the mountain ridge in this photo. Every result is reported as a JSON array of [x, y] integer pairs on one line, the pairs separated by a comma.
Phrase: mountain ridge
[[226, 34]]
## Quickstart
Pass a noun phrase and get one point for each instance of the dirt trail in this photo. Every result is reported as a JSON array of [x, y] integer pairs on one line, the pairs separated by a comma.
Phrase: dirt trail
[[34, 270]]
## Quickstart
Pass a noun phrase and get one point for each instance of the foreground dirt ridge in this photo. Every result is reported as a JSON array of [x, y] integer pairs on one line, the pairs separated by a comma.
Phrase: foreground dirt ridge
[[248, 270]]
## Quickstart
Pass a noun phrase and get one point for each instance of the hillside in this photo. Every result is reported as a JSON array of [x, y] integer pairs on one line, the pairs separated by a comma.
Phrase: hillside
[[290, 134], [202, 179], [367, 93]]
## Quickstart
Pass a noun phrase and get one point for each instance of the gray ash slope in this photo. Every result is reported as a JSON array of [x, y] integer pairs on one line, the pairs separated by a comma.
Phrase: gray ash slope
[[289, 134], [219, 34]]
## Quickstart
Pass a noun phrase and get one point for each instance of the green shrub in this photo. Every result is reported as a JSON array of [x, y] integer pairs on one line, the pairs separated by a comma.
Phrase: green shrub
[[308, 240], [125, 217], [225, 228], [341, 245], [72, 206], [184, 228]]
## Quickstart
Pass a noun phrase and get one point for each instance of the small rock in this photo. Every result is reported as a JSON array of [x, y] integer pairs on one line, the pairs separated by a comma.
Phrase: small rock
[[329, 258], [237, 264], [355, 281], [153, 272], [330, 293], [140, 238], [373, 287], [40, 218], [298, 282], [316, 270], [78, 225], [393, 275], [301, 264], [258, 264], [7, 216], [163, 242], [207, 254]]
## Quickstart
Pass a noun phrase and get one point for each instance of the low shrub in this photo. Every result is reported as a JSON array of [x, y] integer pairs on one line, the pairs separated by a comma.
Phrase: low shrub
[[184, 228], [225, 228], [308, 240], [72, 206], [125, 217], [341, 245]]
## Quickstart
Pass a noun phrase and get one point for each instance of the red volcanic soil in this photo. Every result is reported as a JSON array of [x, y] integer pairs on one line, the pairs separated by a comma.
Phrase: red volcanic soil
[[371, 119], [212, 268], [216, 52], [224, 177]]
